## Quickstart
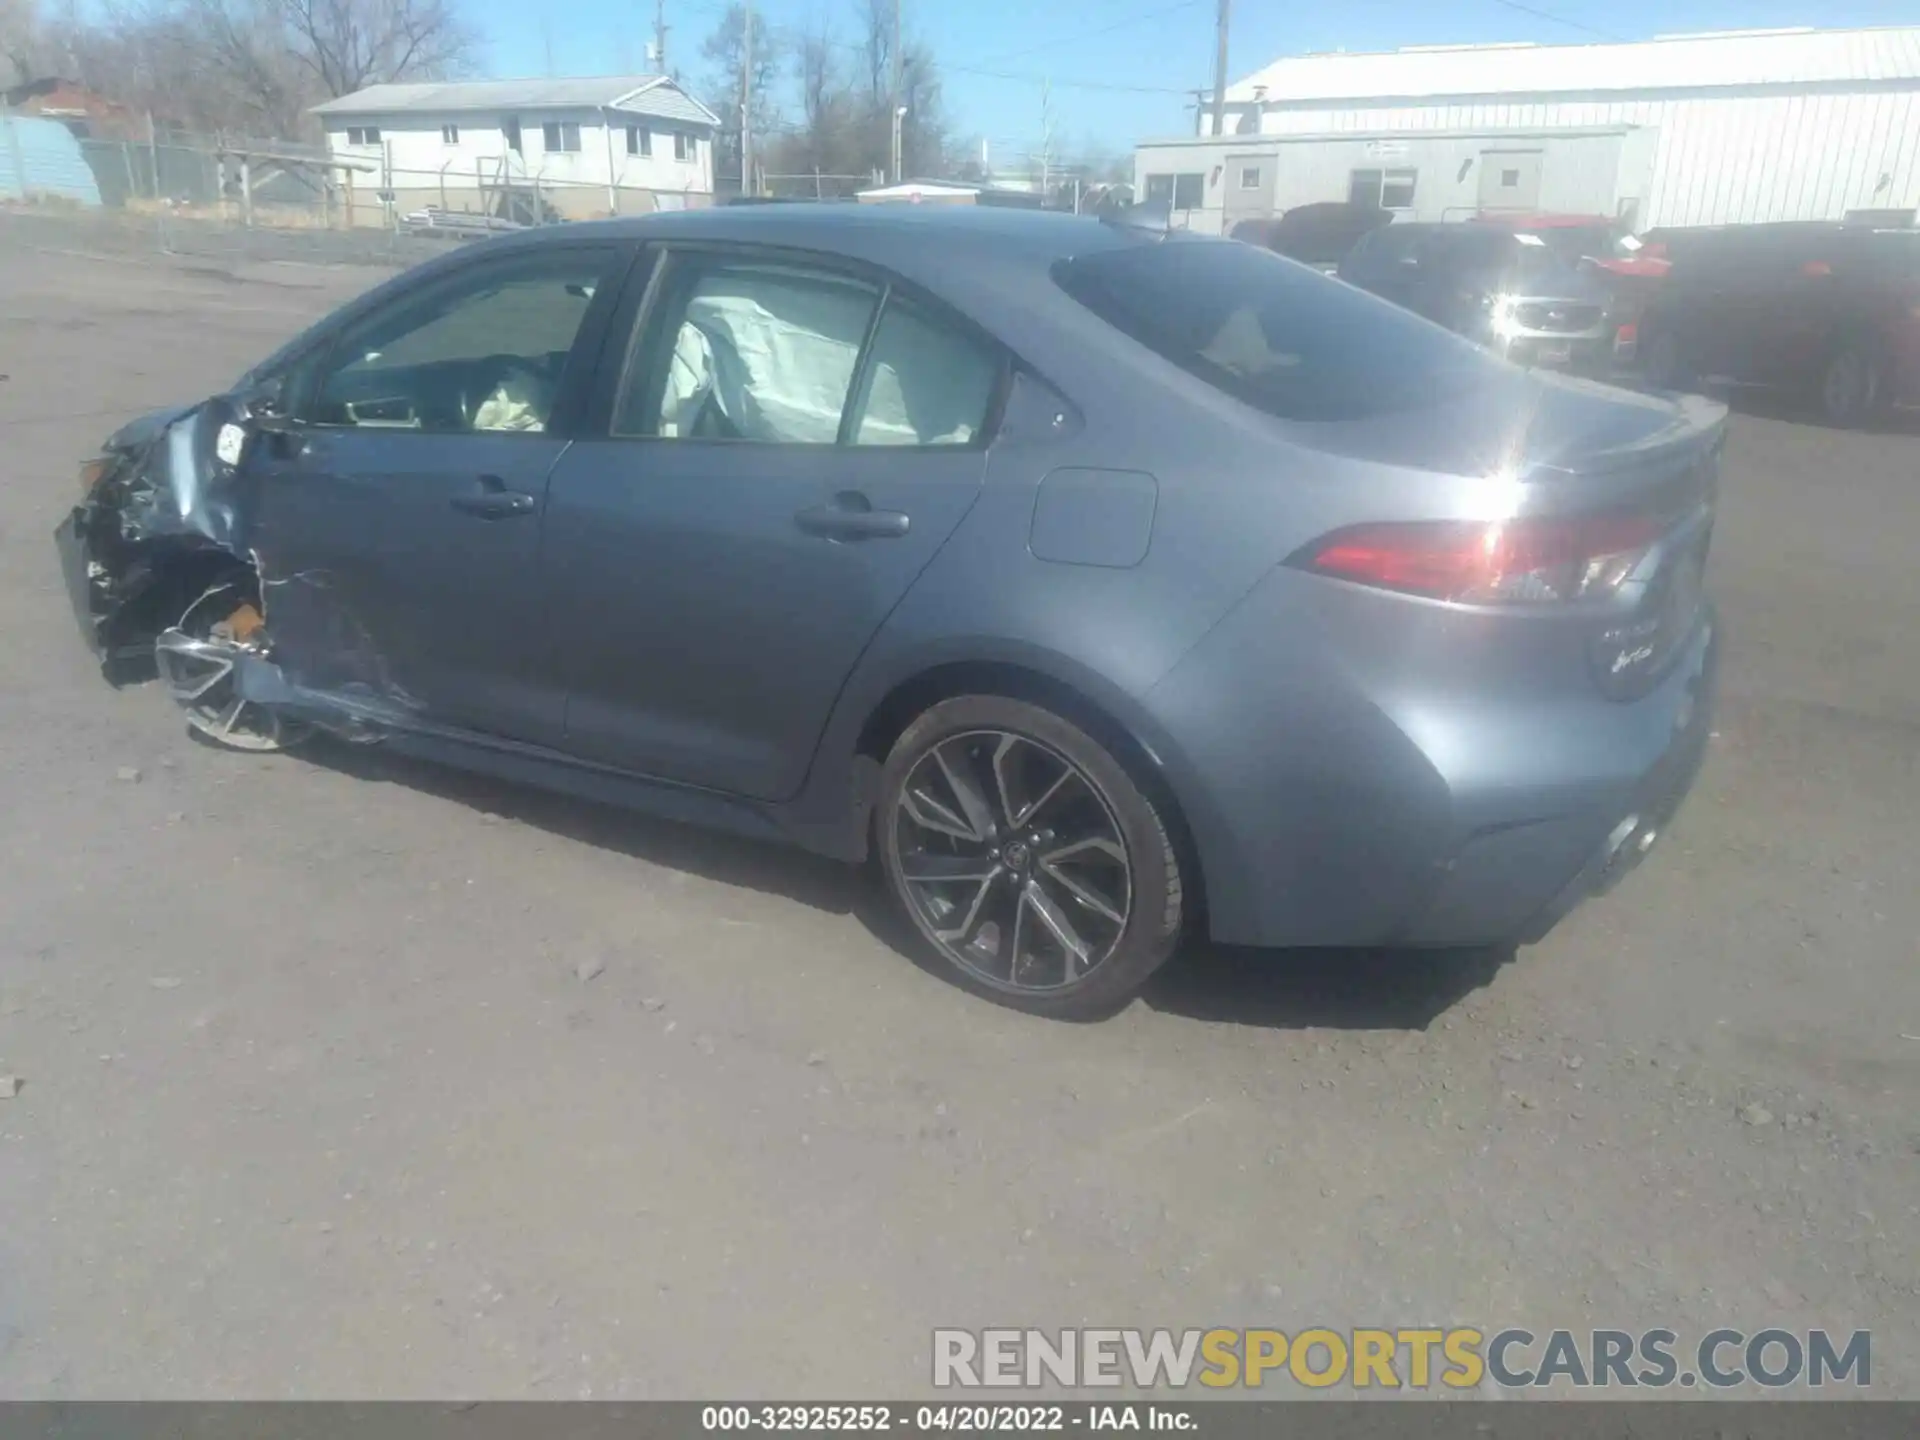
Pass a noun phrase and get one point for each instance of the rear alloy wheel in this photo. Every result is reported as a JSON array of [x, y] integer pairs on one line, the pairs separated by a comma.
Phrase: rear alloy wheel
[[1850, 387], [1027, 858], [197, 659]]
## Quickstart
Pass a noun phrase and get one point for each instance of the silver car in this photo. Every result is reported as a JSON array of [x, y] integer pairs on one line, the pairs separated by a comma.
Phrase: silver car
[[1106, 587]]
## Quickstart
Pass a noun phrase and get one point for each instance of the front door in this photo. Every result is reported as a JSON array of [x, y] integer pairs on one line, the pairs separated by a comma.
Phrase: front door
[[1510, 181], [399, 519], [788, 447]]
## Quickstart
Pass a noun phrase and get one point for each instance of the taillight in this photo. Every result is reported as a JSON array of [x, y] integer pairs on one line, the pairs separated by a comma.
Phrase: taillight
[[1536, 560]]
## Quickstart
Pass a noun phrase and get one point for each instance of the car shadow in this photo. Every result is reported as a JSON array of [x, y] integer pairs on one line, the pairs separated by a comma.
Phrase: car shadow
[[1377, 989]]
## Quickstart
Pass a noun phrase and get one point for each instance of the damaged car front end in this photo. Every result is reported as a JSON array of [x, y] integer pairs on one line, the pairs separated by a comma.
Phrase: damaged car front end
[[158, 566]]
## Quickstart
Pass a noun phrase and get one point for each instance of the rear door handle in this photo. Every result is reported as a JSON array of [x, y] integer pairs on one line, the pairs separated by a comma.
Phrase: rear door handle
[[491, 500], [851, 516]]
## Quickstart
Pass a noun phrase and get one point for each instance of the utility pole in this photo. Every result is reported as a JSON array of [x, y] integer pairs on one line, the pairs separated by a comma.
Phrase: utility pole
[[660, 37], [746, 105], [1220, 76], [899, 145], [1046, 141]]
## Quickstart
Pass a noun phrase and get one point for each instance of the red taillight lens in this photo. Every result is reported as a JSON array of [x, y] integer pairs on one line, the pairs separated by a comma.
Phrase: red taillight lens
[[1528, 561]]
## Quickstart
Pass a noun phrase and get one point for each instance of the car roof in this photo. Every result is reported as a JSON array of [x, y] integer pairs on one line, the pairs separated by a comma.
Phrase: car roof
[[891, 234]]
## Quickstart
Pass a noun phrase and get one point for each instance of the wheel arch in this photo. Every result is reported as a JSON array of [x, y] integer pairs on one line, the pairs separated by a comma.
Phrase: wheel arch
[[1105, 720]]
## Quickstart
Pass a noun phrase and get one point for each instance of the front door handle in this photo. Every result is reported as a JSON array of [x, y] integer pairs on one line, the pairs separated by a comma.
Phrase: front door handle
[[491, 500], [851, 516]]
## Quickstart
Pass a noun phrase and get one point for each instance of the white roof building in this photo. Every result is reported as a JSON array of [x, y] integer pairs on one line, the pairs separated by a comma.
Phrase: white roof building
[[1733, 127], [571, 146]]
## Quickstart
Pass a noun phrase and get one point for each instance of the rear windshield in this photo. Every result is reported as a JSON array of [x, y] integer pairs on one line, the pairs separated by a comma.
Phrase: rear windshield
[[1274, 334]]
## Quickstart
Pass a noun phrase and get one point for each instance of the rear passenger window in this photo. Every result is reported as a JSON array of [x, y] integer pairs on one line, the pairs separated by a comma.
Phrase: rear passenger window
[[926, 383]]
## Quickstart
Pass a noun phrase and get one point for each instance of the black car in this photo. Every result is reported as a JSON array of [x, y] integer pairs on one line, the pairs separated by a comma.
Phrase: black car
[[1319, 235], [1830, 313], [1506, 289]]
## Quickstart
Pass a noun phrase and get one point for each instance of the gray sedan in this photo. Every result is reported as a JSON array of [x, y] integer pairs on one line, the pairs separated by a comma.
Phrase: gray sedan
[[1107, 586]]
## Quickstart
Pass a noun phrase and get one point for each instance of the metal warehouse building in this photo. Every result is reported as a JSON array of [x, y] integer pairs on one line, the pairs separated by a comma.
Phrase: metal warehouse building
[[1728, 128]]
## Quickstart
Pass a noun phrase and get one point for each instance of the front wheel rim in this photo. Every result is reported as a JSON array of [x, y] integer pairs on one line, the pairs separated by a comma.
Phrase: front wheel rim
[[1011, 861], [197, 659]]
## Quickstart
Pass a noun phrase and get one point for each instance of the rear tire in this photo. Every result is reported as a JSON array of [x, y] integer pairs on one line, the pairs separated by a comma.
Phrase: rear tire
[[1027, 859]]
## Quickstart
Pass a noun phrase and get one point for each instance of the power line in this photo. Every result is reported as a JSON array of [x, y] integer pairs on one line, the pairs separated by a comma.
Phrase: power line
[[1060, 84], [1561, 20], [794, 35], [1139, 19]]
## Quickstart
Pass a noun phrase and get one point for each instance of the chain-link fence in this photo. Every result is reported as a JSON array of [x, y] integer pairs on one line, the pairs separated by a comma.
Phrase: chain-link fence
[[242, 198]]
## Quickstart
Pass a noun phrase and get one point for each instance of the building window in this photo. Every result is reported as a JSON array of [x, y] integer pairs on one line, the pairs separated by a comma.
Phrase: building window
[[639, 141], [511, 129], [1386, 189], [682, 145], [449, 134], [1190, 191], [1509, 179], [363, 135], [1159, 190], [561, 135], [1250, 177]]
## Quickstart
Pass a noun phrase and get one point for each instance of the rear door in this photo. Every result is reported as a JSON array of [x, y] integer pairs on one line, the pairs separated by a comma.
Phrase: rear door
[[787, 444], [399, 519]]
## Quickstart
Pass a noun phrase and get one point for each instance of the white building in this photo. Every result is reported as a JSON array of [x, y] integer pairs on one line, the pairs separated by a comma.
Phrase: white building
[[620, 143], [1729, 128]]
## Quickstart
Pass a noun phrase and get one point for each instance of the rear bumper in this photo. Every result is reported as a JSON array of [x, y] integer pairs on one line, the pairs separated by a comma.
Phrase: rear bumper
[[1341, 793], [1634, 824]]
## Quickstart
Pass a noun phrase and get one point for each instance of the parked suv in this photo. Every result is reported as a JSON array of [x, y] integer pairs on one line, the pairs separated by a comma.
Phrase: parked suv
[[1504, 288], [1830, 312], [1319, 235]]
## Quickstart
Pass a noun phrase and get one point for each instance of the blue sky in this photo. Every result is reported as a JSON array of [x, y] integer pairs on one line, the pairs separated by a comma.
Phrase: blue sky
[[1116, 66]]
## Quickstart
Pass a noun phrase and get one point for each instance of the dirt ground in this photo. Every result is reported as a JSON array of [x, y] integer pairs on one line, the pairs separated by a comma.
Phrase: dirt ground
[[315, 1101]]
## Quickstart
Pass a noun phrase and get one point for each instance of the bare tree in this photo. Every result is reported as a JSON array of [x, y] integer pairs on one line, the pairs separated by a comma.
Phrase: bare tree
[[348, 45], [725, 51]]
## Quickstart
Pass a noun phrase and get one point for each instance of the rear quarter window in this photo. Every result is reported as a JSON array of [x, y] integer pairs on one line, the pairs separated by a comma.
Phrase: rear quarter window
[[1276, 335]]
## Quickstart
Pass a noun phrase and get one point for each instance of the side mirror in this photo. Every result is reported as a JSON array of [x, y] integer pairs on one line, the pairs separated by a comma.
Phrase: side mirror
[[264, 407]]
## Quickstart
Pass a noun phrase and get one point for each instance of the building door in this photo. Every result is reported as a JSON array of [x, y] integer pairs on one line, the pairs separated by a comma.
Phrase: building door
[[1510, 180], [1248, 188]]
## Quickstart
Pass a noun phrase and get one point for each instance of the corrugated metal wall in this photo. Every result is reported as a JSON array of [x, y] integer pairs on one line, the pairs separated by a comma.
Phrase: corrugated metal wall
[[41, 157], [1718, 160]]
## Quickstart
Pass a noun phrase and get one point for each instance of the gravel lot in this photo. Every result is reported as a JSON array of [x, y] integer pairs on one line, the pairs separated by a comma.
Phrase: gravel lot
[[315, 1100]]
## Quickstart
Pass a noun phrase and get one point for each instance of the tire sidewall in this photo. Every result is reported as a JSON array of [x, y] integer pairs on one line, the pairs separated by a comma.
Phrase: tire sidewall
[[1155, 920]]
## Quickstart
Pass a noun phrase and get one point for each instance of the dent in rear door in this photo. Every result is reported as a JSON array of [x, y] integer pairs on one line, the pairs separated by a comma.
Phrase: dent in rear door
[[712, 594]]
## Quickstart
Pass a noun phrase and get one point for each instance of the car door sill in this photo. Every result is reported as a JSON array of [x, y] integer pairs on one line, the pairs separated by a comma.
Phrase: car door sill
[[839, 832]]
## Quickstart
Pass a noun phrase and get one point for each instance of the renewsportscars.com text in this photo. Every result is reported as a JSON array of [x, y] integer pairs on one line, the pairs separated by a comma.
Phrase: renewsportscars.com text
[[1400, 1358]]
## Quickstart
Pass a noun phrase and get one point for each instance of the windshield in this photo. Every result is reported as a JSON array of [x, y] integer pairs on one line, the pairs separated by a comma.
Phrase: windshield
[[1274, 334]]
